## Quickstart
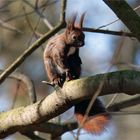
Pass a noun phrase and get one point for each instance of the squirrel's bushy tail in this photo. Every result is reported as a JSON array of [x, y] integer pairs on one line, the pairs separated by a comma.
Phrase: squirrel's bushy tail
[[97, 119]]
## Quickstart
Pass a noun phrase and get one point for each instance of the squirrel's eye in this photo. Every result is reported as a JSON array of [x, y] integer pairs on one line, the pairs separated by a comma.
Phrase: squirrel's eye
[[74, 37]]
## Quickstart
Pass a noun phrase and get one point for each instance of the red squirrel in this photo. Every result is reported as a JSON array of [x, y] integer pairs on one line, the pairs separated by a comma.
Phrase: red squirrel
[[62, 62]]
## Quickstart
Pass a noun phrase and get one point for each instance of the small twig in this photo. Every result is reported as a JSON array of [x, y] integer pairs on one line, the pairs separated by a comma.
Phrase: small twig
[[114, 60], [125, 113], [63, 11], [36, 4], [109, 32], [36, 34], [116, 19], [124, 104], [7, 4], [112, 100], [36, 9], [9, 27], [30, 25], [48, 83], [29, 13]]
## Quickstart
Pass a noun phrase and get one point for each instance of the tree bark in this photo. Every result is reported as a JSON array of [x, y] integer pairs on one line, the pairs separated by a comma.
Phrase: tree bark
[[62, 99]]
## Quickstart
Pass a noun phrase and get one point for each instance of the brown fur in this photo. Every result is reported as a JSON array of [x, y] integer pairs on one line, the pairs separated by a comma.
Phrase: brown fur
[[93, 124], [59, 48]]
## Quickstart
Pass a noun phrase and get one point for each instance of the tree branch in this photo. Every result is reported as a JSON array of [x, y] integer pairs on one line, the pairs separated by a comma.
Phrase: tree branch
[[109, 32], [59, 101], [35, 45], [50, 127], [28, 82], [124, 104], [125, 13], [36, 9], [32, 136], [9, 27]]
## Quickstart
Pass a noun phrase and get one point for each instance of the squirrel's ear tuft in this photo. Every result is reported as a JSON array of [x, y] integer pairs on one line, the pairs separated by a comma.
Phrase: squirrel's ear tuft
[[80, 25], [71, 21]]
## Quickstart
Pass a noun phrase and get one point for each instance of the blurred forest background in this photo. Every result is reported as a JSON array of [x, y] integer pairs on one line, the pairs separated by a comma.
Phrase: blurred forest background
[[23, 21]]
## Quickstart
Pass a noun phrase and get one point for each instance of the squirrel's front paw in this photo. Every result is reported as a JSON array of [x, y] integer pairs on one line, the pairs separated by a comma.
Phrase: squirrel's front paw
[[68, 76], [58, 81]]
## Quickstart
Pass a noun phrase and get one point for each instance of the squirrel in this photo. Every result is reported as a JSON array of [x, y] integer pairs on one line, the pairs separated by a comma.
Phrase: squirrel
[[62, 62]]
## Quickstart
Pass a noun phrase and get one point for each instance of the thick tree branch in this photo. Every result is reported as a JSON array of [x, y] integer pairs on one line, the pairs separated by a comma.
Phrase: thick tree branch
[[62, 99], [126, 14]]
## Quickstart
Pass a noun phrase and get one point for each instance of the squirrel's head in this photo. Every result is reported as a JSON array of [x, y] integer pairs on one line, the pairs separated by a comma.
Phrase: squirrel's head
[[74, 33]]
